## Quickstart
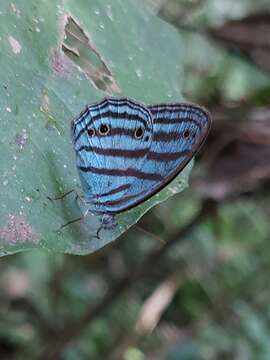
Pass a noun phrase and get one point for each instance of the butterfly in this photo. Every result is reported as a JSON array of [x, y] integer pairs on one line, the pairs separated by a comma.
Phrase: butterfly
[[126, 151]]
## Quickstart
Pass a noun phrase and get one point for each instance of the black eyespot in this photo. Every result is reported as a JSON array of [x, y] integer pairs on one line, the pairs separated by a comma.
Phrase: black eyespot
[[91, 132], [139, 133], [186, 134], [104, 129]]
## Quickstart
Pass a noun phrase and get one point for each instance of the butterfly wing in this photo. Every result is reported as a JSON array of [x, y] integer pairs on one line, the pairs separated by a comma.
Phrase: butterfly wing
[[108, 154], [178, 132]]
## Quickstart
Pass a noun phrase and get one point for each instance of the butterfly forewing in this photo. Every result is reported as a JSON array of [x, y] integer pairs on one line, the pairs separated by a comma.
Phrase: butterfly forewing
[[111, 140]]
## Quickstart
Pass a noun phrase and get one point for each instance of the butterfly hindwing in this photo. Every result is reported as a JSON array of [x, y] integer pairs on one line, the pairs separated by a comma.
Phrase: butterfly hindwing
[[178, 132]]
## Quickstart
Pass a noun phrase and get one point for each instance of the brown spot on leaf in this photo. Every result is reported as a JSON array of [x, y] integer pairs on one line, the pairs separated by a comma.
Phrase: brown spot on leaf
[[45, 103], [21, 139], [15, 10], [17, 230], [79, 48], [60, 63]]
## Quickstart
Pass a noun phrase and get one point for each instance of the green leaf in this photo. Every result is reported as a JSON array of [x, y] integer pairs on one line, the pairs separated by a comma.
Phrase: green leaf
[[55, 58]]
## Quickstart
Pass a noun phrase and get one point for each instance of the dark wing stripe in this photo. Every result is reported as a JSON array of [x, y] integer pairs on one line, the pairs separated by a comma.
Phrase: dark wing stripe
[[168, 136], [166, 121], [113, 132], [177, 108], [119, 103], [133, 154], [167, 156], [75, 122], [119, 201], [122, 131], [79, 119], [185, 110], [114, 191], [79, 134], [116, 115], [113, 116], [158, 136], [119, 172]]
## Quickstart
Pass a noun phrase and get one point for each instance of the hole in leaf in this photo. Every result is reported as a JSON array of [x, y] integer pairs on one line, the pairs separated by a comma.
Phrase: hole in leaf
[[79, 48]]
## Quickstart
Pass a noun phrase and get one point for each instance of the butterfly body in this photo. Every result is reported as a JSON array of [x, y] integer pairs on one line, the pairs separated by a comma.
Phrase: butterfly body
[[126, 151]]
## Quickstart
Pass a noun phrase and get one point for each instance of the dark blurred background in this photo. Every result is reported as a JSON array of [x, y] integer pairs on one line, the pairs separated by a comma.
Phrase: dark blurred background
[[206, 295]]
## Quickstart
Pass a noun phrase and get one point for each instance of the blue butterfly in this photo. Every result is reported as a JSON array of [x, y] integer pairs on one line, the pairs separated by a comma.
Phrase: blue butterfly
[[126, 152]]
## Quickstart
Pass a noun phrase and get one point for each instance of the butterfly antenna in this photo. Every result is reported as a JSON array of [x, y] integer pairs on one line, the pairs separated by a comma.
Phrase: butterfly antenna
[[74, 220]]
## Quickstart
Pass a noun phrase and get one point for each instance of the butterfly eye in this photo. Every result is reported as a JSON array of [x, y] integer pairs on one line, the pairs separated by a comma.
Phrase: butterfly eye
[[139, 133], [91, 132], [104, 129], [186, 134]]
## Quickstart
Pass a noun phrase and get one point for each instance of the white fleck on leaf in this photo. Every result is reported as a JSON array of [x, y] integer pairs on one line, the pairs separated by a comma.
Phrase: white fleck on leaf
[[15, 45]]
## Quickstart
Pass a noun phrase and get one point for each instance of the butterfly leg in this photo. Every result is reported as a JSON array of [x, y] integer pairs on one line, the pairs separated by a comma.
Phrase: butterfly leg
[[73, 221], [61, 197]]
